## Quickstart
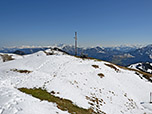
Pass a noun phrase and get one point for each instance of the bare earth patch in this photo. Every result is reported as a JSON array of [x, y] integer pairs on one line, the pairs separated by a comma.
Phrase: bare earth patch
[[113, 67], [21, 71], [101, 75], [95, 66]]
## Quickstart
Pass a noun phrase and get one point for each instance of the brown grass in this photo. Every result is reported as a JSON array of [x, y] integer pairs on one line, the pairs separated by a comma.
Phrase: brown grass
[[63, 104], [112, 66], [88, 58], [101, 75], [95, 66], [21, 71], [6, 57]]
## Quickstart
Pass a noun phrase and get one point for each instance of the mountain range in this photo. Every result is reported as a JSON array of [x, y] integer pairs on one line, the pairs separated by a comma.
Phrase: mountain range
[[121, 55]]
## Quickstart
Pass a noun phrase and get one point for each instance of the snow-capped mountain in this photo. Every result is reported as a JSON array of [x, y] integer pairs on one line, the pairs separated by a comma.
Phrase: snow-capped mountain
[[147, 50], [118, 49], [124, 48], [121, 55], [145, 67], [71, 85], [143, 54], [111, 54]]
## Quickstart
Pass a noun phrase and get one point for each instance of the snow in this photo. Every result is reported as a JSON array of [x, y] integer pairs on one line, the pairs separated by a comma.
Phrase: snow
[[12, 102], [74, 79], [133, 66], [141, 66], [150, 56]]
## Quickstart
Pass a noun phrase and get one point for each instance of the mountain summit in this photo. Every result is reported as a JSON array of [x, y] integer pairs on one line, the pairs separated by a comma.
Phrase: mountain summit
[[53, 82]]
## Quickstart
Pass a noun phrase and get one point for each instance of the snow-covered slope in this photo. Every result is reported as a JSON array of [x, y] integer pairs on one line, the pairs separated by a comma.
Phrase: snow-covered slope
[[145, 67], [87, 83]]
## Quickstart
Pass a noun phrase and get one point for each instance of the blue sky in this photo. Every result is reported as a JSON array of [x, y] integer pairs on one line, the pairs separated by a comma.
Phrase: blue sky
[[98, 22]]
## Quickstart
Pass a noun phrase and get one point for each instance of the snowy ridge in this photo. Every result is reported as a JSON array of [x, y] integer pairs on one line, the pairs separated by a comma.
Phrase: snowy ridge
[[145, 67], [117, 92]]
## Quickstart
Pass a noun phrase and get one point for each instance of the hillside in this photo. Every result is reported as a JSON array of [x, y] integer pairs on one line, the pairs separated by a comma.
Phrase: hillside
[[70, 84], [145, 67]]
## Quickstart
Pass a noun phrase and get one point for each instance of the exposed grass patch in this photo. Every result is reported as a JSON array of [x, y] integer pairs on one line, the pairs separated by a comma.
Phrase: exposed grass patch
[[95, 66], [96, 103], [101, 75], [21, 71], [112, 66], [6, 57], [63, 104]]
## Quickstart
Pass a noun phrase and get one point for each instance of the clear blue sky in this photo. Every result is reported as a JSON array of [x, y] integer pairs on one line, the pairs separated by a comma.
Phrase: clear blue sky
[[98, 22]]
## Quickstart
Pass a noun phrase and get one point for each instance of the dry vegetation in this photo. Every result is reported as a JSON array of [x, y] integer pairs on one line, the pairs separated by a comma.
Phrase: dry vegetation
[[63, 104], [96, 103], [95, 66], [101, 75], [6, 57], [21, 71], [112, 66], [87, 58]]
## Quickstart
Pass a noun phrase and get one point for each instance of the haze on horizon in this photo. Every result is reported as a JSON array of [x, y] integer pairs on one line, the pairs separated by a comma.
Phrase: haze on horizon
[[98, 22]]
